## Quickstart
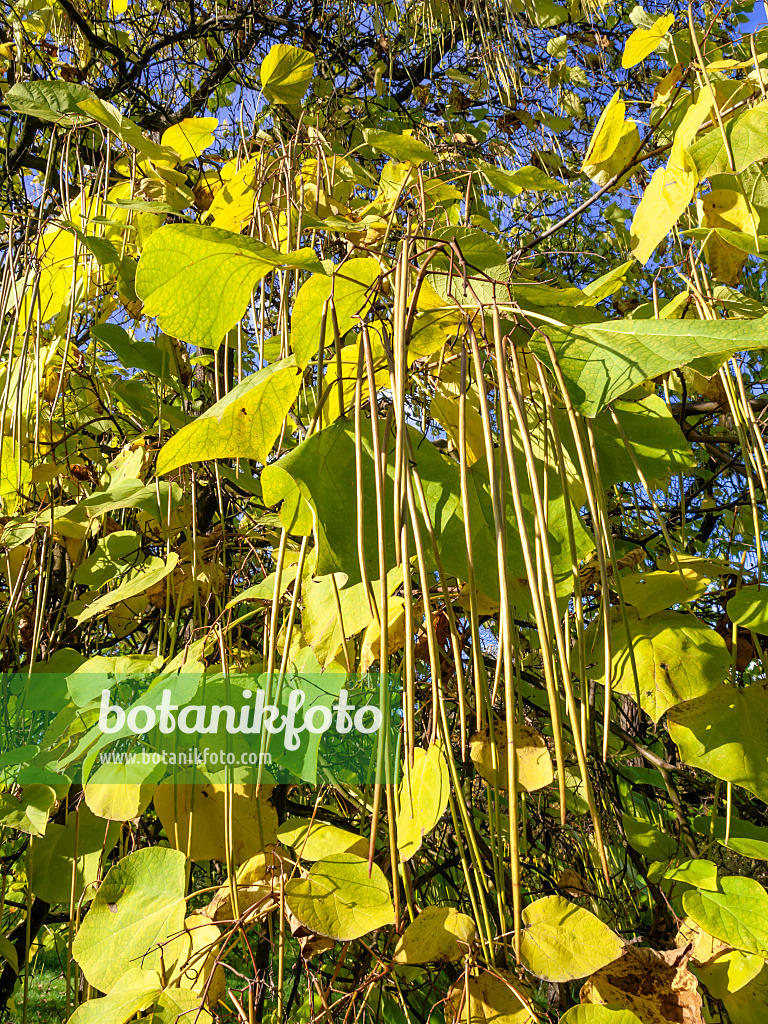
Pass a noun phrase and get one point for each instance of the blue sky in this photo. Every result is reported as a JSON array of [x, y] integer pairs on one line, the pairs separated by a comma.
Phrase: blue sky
[[757, 19]]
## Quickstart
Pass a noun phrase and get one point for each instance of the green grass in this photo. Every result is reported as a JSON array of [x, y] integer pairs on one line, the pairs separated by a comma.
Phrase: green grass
[[45, 992]]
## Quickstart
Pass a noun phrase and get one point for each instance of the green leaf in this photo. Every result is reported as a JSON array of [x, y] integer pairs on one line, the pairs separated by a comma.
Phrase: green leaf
[[8, 953], [601, 362], [28, 811], [318, 840], [244, 424], [190, 137], [562, 942], [139, 355], [324, 468], [701, 873], [647, 839], [139, 904], [399, 147], [53, 856], [543, 13], [352, 294], [125, 129], [286, 72], [185, 266], [49, 101], [153, 571], [744, 838], [737, 914], [725, 733], [438, 935], [653, 435], [339, 900], [644, 41], [677, 657], [295, 512], [522, 179], [593, 1013], [747, 134], [422, 799], [749, 608]]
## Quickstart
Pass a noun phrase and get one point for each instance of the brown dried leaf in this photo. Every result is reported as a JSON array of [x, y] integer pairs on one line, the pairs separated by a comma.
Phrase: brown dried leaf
[[657, 986]]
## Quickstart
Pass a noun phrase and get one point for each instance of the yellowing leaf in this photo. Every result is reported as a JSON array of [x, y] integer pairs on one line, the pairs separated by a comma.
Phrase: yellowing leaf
[[644, 41], [729, 971], [677, 657], [371, 647], [747, 1004], [725, 732], [153, 570], [194, 816], [400, 147], [495, 997], [422, 799], [726, 208], [339, 899], [749, 609], [117, 1007], [190, 137], [350, 293], [607, 132], [121, 791], [534, 764], [184, 266], [589, 1013], [438, 935], [652, 592], [139, 904], [286, 72], [317, 840], [562, 942], [53, 862], [243, 424], [737, 914]]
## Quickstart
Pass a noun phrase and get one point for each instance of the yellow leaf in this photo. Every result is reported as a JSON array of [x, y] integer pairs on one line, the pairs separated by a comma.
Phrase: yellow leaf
[[726, 208], [371, 649], [664, 201], [644, 41], [438, 935], [534, 765], [422, 799], [664, 90], [286, 72], [194, 816], [627, 145], [190, 137], [491, 998], [607, 132]]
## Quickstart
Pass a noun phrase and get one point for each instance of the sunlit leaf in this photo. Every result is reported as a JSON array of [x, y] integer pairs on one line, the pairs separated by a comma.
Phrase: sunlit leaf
[[243, 424], [340, 899], [562, 942], [184, 265]]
